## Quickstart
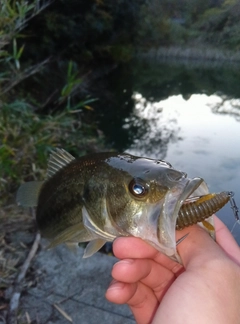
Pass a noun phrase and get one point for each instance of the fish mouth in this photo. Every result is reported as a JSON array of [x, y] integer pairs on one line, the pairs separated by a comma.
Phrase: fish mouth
[[181, 194], [168, 217], [195, 187]]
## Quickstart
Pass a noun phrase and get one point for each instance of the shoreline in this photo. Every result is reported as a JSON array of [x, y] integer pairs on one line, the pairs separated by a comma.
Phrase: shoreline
[[191, 54]]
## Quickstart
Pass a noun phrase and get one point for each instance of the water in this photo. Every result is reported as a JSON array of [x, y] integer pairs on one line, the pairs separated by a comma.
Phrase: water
[[198, 141], [186, 115]]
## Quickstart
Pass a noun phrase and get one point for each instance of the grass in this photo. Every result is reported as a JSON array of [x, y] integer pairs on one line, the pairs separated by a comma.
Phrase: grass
[[27, 138]]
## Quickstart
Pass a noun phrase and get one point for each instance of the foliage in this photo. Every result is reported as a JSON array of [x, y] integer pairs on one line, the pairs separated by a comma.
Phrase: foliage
[[27, 134], [14, 16], [221, 26], [69, 38], [153, 24], [27, 139], [171, 22], [81, 30]]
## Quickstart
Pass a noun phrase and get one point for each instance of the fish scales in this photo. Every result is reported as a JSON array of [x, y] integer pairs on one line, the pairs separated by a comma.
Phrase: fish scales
[[61, 198], [81, 182]]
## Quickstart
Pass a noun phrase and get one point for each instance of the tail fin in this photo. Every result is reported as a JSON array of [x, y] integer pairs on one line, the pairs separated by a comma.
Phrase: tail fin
[[27, 194]]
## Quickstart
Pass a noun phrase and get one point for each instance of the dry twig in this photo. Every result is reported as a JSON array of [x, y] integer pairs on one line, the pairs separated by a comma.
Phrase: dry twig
[[64, 314], [17, 288]]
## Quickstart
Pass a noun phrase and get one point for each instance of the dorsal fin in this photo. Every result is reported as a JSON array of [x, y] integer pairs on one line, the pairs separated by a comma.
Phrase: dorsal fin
[[58, 159]]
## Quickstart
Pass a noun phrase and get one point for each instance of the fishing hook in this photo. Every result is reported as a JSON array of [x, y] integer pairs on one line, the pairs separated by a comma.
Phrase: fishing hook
[[181, 239]]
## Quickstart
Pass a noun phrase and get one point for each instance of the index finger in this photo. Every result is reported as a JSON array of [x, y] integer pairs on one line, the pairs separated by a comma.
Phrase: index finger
[[226, 240], [198, 247], [136, 248]]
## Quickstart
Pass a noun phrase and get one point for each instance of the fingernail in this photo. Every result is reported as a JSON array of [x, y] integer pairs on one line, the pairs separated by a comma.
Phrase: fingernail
[[116, 285], [124, 261]]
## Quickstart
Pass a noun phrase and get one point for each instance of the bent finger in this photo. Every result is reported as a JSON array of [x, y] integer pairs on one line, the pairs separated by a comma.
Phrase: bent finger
[[133, 248], [149, 272], [140, 298]]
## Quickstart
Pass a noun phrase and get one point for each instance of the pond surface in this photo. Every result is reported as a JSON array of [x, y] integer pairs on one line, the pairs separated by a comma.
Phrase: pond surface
[[186, 115]]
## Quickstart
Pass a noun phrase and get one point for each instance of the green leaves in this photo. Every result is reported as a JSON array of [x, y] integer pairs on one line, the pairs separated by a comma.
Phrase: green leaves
[[13, 18], [16, 54], [27, 138], [72, 84], [72, 80]]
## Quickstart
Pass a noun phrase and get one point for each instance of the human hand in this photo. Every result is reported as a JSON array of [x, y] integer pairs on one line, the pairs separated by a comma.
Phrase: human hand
[[206, 289]]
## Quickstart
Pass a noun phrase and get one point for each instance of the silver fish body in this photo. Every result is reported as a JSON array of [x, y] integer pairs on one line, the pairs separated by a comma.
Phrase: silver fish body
[[102, 196]]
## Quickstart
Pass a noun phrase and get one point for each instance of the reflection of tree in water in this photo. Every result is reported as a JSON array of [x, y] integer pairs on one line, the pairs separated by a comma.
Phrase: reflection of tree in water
[[150, 132], [227, 106], [161, 80], [144, 131]]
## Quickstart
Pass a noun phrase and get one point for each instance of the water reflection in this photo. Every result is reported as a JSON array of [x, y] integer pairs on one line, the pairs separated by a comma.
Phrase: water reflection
[[228, 106], [157, 82], [187, 114], [152, 132], [199, 136]]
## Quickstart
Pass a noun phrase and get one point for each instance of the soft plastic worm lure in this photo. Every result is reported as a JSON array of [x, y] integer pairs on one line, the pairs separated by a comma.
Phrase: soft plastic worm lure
[[201, 208]]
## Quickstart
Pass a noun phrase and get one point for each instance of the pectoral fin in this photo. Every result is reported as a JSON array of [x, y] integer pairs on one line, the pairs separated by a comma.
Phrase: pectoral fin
[[94, 228], [93, 247], [75, 233]]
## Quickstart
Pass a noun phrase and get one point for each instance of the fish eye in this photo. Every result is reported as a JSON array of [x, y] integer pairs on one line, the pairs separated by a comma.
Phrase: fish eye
[[138, 188]]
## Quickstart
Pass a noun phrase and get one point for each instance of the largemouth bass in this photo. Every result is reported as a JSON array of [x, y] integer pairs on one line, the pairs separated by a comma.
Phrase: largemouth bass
[[99, 197]]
